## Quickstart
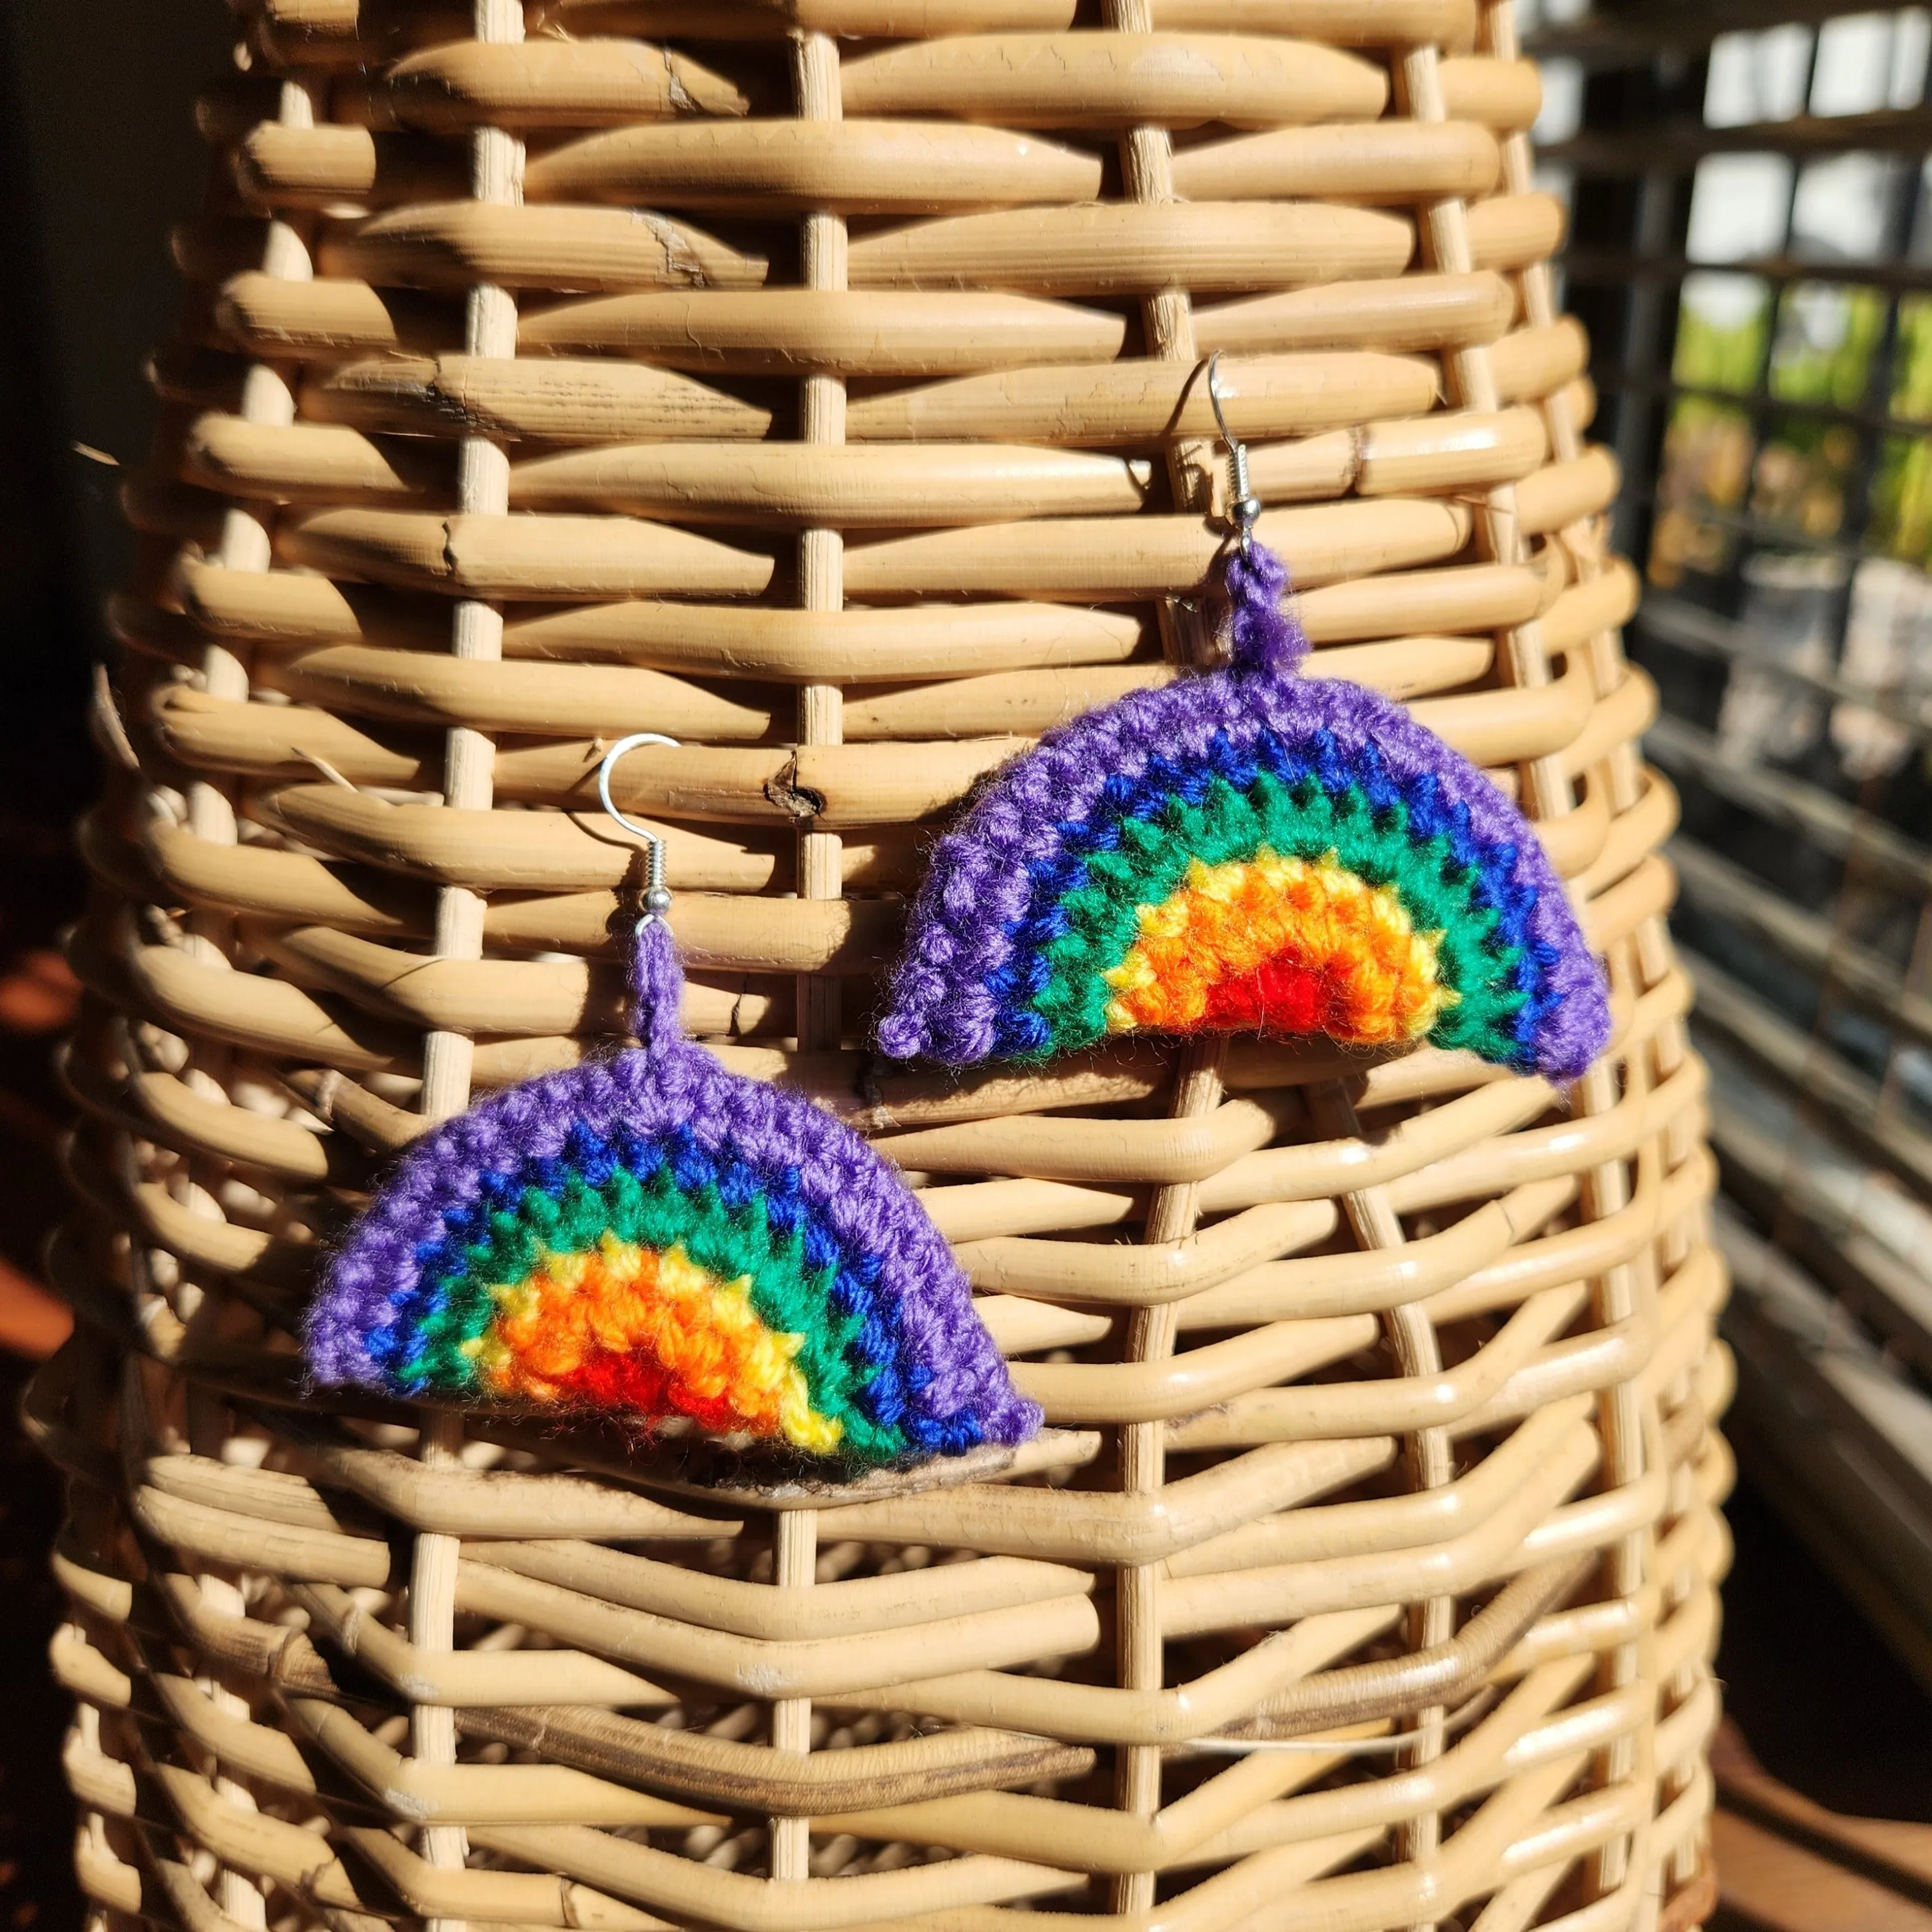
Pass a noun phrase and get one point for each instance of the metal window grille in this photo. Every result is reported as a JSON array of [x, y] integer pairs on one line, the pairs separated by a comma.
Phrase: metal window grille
[[1751, 247]]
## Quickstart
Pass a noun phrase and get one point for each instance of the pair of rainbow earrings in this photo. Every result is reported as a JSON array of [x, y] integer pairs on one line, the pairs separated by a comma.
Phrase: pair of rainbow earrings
[[1242, 849]]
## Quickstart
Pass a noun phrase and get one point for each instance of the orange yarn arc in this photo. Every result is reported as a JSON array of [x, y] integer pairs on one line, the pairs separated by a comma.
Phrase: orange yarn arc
[[1280, 945], [629, 1328]]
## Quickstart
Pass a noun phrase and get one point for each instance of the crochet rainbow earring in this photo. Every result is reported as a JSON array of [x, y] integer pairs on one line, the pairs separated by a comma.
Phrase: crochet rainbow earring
[[1246, 850], [651, 1236]]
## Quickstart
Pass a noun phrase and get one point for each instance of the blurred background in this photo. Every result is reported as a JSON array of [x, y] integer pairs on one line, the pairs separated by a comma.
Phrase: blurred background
[[1751, 250]]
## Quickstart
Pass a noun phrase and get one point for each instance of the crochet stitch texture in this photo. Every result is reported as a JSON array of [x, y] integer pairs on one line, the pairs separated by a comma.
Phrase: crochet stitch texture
[[1246, 850], [652, 1235]]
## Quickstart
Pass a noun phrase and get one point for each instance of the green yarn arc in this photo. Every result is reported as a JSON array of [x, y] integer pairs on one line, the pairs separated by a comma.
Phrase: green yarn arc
[[789, 1294], [1304, 821]]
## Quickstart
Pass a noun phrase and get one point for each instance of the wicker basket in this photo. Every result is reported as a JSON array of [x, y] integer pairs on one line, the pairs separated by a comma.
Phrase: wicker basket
[[1364, 1577]]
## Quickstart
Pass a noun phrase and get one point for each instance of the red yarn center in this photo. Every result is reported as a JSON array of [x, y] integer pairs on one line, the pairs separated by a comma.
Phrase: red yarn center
[[1278, 997], [639, 1383]]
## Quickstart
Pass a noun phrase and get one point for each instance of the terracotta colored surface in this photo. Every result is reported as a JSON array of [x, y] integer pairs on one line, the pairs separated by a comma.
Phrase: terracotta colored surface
[[1781, 1886]]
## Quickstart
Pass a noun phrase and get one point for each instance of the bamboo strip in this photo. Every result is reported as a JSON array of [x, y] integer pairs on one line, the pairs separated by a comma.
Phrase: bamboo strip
[[1378, 163], [195, 1194], [845, 486], [852, 1608], [446, 246], [1503, 93], [1139, 401], [748, 1904], [857, 167], [454, 395], [837, 331], [898, 333], [591, 558], [1116, 80], [481, 1795], [542, 83], [329, 317], [1125, 249], [289, 609], [198, 377], [524, 850], [312, 462], [694, 480], [524, 697], [1419, 311], [1565, 493], [495, 555], [711, 1769], [1508, 231], [342, 170], [336, 29], [162, 1107], [824, 252], [209, 247], [1346, 23], [1078, 557], [533, 698], [195, 1191], [1168, 1151], [1144, 1392], [1538, 360]]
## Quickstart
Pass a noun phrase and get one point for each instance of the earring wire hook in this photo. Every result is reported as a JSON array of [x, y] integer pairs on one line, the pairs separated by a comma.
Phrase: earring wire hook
[[657, 894], [1243, 505]]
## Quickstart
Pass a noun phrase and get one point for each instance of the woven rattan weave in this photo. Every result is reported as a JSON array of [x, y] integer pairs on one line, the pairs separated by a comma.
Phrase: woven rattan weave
[[821, 386]]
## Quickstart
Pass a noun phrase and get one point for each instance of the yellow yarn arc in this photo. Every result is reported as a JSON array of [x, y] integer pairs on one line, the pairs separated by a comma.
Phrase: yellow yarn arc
[[620, 1299], [1378, 978]]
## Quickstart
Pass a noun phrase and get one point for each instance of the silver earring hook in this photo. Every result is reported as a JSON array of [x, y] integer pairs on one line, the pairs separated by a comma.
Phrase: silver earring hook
[[657, 894], [1243, 505]]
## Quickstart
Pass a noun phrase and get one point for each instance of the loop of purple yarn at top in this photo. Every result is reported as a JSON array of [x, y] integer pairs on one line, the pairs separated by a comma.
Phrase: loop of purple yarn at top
[[1262, 634], [657, 985]]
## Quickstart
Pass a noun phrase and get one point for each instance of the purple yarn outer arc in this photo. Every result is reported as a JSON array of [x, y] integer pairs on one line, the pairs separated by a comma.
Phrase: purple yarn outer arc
[[978, 887], [670, 1083]]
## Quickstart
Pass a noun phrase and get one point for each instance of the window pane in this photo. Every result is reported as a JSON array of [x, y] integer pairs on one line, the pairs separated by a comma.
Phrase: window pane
[[1901, 514], [1721, 332], [1853, 75], [1840, 212], [1562, 112], [1911, 46], [1739, 205], [1757, 76], [1826, 335]]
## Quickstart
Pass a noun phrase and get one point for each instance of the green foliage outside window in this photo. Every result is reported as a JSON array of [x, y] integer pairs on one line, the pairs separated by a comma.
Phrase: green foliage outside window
[[1818, 346]]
